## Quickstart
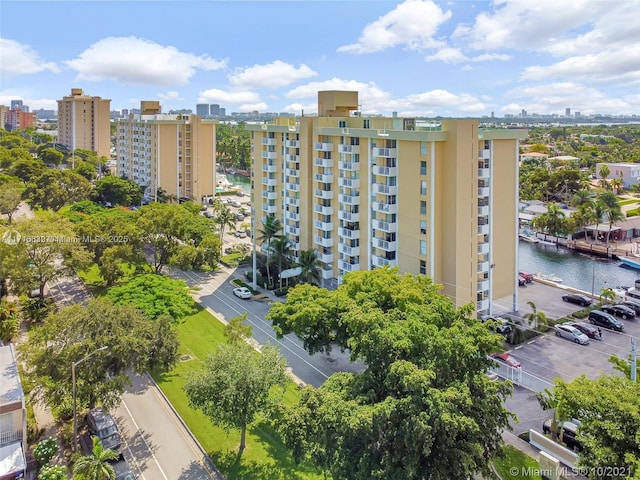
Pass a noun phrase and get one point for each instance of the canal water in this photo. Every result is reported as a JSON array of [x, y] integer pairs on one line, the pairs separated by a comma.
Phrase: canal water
[[577, 270], [240, 181]]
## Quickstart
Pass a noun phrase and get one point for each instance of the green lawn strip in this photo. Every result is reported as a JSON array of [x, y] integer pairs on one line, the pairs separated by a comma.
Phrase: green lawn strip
[[265, 456], [518, 463], [628, 201]]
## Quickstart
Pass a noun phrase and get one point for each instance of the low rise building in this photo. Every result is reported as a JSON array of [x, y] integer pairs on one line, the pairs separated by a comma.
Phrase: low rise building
[[13, 417]]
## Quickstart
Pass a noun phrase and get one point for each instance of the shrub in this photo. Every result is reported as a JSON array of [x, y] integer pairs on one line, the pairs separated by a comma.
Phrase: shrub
[[46, 450], [53, 472], [281, 292]]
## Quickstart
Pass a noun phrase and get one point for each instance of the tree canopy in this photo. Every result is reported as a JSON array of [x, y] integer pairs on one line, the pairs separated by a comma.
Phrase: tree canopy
[[422, 408]]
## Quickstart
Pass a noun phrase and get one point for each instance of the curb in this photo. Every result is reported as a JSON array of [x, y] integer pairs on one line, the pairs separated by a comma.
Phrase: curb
[[208, 463]]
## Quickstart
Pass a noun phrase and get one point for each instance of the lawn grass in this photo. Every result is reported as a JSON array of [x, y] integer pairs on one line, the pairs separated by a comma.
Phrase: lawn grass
[[628, 201], [516, 462], [265, 456]]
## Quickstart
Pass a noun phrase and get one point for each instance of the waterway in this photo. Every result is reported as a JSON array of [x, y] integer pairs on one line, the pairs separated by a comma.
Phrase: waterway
[[240, 181], [577, 270]]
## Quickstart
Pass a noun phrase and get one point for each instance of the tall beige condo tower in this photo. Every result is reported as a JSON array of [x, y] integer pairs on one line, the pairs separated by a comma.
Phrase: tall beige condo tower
[[174, 152], [366, 192], [83, 122]]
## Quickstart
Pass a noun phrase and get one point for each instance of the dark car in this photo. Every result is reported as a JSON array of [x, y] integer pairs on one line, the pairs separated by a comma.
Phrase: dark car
[[122, 469], [619, 310], [635, 306], [606, 320], [589, 330], [101, 424], [577, 299], [569, 434]]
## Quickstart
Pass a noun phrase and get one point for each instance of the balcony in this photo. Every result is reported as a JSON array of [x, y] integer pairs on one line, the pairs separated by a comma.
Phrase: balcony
[[292, 158], [291, 230], [269, 208], [385, 152], [325, 226], [384, 226], [483, 267], [325, 257], [349, 199], [483, 229], [326, 194], [484, 153], [351, 166], [295, 246], [483, 305], [349, 182], [323, 147], [385, 207], [348, 148], [270, 195], [294, 202], [483, 192], [269, 141], [378, 261], [347, 250], [349, 216], [270, 182], [483, 285], [323, 210], [348, 267], [385, 189], [385, 171], [483, 173], [483, 210], [326, 274], [292, 216], [270, 155], [294, 187], [292, 143], [385, 245], [322, 241], [348, 233], [319, 177], [483, 248], [270, 168], [323, 162], [292, 172]]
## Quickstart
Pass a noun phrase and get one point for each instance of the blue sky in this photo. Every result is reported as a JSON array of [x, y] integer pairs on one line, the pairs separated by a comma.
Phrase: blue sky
[[417, 57]]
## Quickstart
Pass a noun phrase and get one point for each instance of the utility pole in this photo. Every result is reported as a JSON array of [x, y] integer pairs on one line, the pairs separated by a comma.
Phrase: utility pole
[[634, 360]]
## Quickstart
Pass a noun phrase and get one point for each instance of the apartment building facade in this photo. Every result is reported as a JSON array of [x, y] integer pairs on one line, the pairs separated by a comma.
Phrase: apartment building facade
[[84, 122], [13, 417], [174, 152], [366, 192]]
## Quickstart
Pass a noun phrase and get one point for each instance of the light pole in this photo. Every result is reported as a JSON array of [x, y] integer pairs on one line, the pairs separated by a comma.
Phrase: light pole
[[73, 379]]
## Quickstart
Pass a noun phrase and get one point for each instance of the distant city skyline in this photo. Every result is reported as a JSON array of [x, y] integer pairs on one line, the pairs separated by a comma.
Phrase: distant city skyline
[[417, 57]]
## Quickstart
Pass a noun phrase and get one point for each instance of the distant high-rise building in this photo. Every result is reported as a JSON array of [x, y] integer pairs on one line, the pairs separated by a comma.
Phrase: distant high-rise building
[[42, 114], [17, 104], [523, 113], [175, 152], [17, 119], [567, 112], [222, 112], [202, 109], [83, 122], [578, 114], [214, 110]]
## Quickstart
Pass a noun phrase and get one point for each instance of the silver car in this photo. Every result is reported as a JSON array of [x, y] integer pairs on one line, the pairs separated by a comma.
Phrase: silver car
[[571, 333]]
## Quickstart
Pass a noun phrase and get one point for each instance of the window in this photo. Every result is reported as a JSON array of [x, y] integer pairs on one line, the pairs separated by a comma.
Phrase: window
[[423, 207], [423, 188], [423, 247], [423, 227], [423, 267], [423, 168], [423, 149], [342, 123], [365, 123]]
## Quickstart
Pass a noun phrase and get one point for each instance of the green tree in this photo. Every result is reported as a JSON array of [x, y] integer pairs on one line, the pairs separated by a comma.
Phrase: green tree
[[271, 228], [10, 198], [236, 385], [56, 188], [9, 320], [53, 472], [423, 404], [87, 170], [118, 191], [613, 216], [155, 295], [51, 156], [536, 318], [604, 174], [71, 333], [236, 331], [96, 466], [225, 218], [27, 170], [281, 251], [552, 222], [310, 265]]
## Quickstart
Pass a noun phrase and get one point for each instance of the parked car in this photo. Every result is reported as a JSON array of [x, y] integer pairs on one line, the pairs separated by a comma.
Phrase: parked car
[[619, 310], [122, 469], [236, 204], [208, 214], [239, 217], [571, 333], [569, 434], [528, 277], [242, 292], [101, 424], [577, 299], [506, 359], [589, 330], [606, 320], [502, 325], [241, 234], [635, 306]]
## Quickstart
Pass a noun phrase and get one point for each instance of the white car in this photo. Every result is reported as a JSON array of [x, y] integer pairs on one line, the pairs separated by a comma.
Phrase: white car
[[571, 333], [242, 292]]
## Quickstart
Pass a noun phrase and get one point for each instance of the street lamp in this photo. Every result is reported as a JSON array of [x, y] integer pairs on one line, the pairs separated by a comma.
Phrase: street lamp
[[73, 379]]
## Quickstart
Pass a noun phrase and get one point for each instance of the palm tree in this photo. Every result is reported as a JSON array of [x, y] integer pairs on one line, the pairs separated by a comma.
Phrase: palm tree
[[599, 209], [604, 173], [271, 227], [536, 318], [225, 218], [617, 185], [281, 249], [96, 466], [310, 265], [613, 216], [580, 198], [607, 294]]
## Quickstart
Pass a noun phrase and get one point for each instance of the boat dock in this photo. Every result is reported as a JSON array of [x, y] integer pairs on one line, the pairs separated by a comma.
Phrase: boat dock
[[612, 250]]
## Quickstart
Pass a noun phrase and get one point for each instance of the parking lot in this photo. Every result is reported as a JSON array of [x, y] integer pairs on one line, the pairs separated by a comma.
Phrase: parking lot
[[240, 206]]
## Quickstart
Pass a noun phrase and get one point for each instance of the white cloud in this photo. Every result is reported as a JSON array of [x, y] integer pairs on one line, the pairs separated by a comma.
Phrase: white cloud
[[223, 97], [439, 99], [413, 24], [272, 75], [170, 96], [487, 57], [32, 103], [253, 107], [20, 59], [132, 60], [447, 55], [298, 108]]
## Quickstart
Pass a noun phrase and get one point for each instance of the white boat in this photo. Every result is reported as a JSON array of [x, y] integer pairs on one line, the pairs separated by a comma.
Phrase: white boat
[[529, 238], [550, 277], [223, 182]]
